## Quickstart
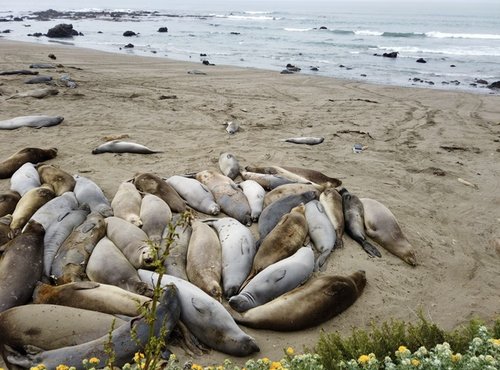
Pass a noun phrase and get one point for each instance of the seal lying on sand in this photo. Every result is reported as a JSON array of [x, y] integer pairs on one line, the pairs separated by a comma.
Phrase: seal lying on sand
[[30, 121], [16, 160], [119, 146]]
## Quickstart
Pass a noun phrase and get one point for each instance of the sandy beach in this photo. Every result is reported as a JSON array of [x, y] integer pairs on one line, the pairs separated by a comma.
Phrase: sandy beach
[[418, 143]]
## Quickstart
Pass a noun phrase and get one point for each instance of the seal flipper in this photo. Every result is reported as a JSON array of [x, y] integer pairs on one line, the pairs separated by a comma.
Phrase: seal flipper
[[16, 358], [370, 249]]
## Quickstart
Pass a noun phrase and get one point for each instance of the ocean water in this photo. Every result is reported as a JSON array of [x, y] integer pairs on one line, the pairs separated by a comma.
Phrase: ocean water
[[460, 40]]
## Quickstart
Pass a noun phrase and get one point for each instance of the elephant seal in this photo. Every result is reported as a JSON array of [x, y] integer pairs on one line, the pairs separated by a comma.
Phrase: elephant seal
[[284, 240], [331, 201], [150, 183], [355, 222], [87, 191], [21, 266], [71, 259], [229, 165], [126, 340], [55, 209], [382, 226], [107, 257], [321, 231], [30, 121], [228, 196], [206, 318], [327, 296], [197, 195], [4, 231], [58, 326], [272, 214], [255, 194], [25, 179], [60, 180], [58, 232], [8, 202], [38, 80], [290, 189], [93, 296], [126, 203], [238, 252], [36, 93], [297, 173], [275, 280], [16, 160], [120, 146], [232, 127], [155, 215], [31, 202], [175, 263], [132, 241], [203, 262], [308, 140], [268, 182]]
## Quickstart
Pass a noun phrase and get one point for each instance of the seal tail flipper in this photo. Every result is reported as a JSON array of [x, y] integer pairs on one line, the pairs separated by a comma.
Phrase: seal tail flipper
[[321, 260], [370, 249], [16, 358]]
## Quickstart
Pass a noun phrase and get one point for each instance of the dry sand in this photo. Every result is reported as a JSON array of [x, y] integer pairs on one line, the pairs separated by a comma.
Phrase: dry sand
[[453, 227]]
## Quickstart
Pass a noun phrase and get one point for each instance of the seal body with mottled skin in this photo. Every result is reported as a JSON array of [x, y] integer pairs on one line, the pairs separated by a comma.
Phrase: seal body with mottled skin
[[229, 165], [326, 297], [289, 189], [150, 183], [197, 195], [355, 222], [331, 200], [30, 121], [382, 226], [107, 257], [275, 280], [8, 202], [120, 146], [175, 263], [206, 318], [33, 200], [228, 196], [283, 240], [126, 340], [57, 233], [55, 208], [126, 203], [203, 263], [61, 326], [155, 216], [25, 179], [268, 182], [321, 231], [21, 266], [71, 259], [131, 240], [60, 180], [92, 296], [272, 214], [255, 194], [297, 173], [88, 192], [238, 252]]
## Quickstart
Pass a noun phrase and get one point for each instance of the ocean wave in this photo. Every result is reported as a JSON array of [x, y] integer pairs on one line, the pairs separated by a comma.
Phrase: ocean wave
[[257, 12], [343, 32], [478, 51], [445, 35], [247, 17], [298, 29], [368, 33], [403, 34]]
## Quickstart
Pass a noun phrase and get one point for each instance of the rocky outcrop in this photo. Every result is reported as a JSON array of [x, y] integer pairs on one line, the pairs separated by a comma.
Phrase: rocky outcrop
[[163, 29], [129, 33], [62, 30], [495, 85]]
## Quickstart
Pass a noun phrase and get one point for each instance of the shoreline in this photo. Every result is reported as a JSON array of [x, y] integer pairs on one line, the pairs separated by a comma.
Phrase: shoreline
[[409, 135]]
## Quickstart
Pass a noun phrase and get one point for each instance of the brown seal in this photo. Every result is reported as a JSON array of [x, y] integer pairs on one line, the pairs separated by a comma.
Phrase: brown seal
[[8, 202], [297, 173], [4, 230], [309, 305], [60, 180], [381, 225], [332, 203], [21, 266], [150, 183], [16, 160]]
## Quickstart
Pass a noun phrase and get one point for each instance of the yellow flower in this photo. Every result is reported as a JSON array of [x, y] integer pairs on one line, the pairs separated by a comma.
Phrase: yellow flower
[[265, 360], [62, 367], [94, 361], [38, 367], [138, 356], [495, 342], [196, 367], [402, 349], [363, 359], [456, 357], [275, 366], [290, 351], [415, 362]]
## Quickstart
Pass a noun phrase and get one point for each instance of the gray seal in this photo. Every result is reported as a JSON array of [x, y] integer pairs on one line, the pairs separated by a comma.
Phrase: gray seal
[[87, 191], [308, 140], [197, 195], [321, 231], [55, 209], [255, 194], [25, 179], [268, 182], [206, 318], [30, 121], [275, 280], [155, 215], [229, 165], [120, 146], [126, 203], [332, 203]]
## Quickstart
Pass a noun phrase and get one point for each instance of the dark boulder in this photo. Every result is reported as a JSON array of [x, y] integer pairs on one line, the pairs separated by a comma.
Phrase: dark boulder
[[62, 30], [421, 60], [36, 34], [323, 28], [494, 85], [18, 19], [52, 56], [481, 81], [292, 68], [392, 54], [129, 33], [452, 65], [129, 46], [163, 29], [6, 31]]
